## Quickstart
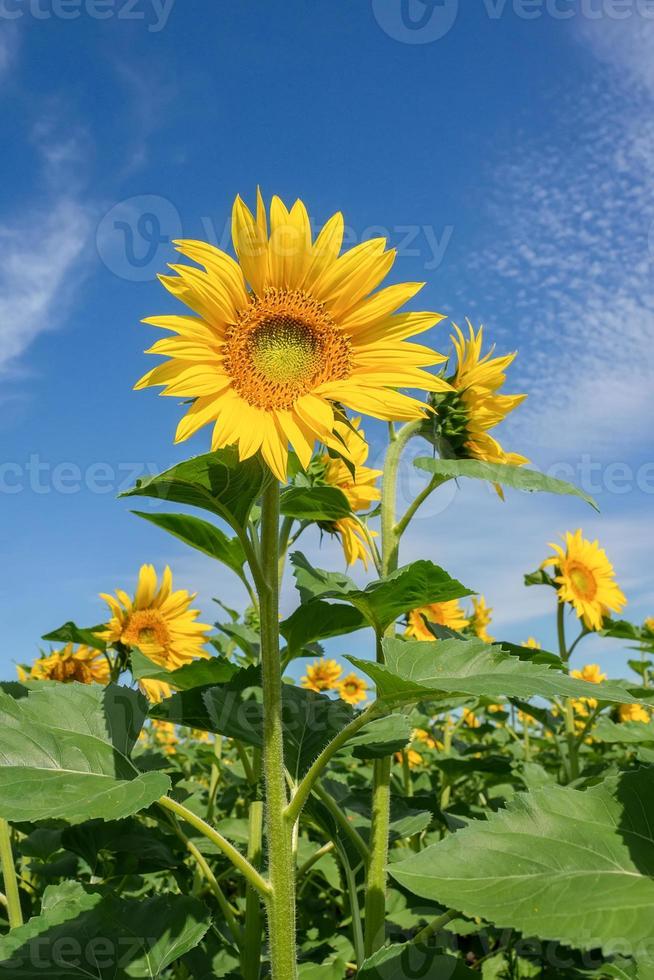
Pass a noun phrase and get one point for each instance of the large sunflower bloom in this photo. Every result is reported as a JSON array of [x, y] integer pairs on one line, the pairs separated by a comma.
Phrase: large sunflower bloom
[[85, 665], [449, 614], [475, 407], [360, 489], [159, 622], [288, 332], [586, 579]]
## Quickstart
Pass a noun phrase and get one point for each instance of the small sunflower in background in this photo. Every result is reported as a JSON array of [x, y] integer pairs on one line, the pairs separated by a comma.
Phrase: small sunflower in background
[[586, 579], [288, 335], [633, 712], [359, 488], [352, 689], [531, 643], [449, 614], [157, 621], [465, 415], [84, 665], [481, 619], [470, 719], [322, 675]]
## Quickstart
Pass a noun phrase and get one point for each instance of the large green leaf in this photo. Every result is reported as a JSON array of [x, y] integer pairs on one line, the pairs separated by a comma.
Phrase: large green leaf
[[502, 473], [319, 620], [71, 633], [217, 482], [198, 673], [383, 600], [415, 669], [80, 933], [566, 865], [628, 732], [414, 960], [64, 752], [202, 536], [382, 737], [314, 503]]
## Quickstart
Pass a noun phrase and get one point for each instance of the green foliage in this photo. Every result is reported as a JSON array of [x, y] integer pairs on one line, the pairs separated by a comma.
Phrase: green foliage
[[65, 752], [564, 864], [504, 474], [202, 536], [71, 633], [319, 620], [315, 503]]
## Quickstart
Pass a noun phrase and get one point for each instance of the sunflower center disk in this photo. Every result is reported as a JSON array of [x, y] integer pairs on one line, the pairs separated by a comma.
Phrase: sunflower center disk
[[146, 629], [71, 670], [583, 581], [282, 346]]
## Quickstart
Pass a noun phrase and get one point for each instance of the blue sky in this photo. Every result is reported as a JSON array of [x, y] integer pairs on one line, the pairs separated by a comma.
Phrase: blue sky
[[506, 149]]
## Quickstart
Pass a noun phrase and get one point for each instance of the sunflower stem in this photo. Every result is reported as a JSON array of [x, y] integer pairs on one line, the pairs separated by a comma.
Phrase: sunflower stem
[[281, 870], [14, 911], [381, 789], [570, 730], [251, 948]]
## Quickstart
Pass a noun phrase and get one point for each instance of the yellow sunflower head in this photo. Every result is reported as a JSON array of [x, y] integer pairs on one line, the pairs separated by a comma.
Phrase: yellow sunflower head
[[322, 675], [287, 331], [648, 625], [481, 619], [359, 488], [532, 643], [470, 718], [159, 622], [592, 673], [84, 664], [413, 758], [586, 579], [449, 614], [633, 712], [353, 689], [465, 416], [165, 736]]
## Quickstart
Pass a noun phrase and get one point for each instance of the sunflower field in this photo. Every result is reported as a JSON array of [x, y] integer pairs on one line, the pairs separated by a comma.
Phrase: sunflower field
[[173, 804]]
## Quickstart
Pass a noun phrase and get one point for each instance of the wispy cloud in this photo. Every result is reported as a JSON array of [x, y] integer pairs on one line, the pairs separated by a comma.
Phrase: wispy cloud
[[568, 266]]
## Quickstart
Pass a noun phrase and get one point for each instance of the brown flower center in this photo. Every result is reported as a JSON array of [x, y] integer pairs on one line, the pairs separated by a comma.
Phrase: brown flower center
[[282, 346], [146, 628], [69, 669]]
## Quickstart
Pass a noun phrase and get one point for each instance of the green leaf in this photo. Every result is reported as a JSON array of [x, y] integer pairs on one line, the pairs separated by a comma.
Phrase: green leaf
[[504, 474], [134, 848], [314, 504], [383, 600], [413, 960], [559, 863], [199, 673], [539, 577], [80, 933], [621, 629], [382, 737], [319, 620], [71, 633], [627, 732], [64, 753], [416, 669], [529, 653], [202, 536], [217, 482]]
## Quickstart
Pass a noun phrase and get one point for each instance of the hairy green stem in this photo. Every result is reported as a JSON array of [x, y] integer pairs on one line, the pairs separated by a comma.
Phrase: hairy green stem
[[570, 730], [281, 870], [240, 862], [14, 911], [251, 948]]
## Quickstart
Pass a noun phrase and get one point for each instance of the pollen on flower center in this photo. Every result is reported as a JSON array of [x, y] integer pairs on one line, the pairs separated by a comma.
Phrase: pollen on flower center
[[146, 628], [285, 349], [583, 580], [283, 345]]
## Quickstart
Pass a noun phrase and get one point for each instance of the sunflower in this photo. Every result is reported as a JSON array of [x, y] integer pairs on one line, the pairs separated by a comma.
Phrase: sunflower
[[449, 614], [85, 665], [532, 643], [465, 415], [413, 758], [592, 674], [481, 619], [165, 736], [633, 712], [470, 719], [286, 334], [586, 579], [157, 621], [648, 625], [358, 487], [352, 689], [322, 675]]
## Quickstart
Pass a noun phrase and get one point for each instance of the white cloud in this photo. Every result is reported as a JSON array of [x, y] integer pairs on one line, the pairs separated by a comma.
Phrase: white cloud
[[36, 285]]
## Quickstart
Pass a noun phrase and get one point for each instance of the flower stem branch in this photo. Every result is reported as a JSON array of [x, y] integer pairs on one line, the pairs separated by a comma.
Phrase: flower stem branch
[[14, 911], [240, 862]]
